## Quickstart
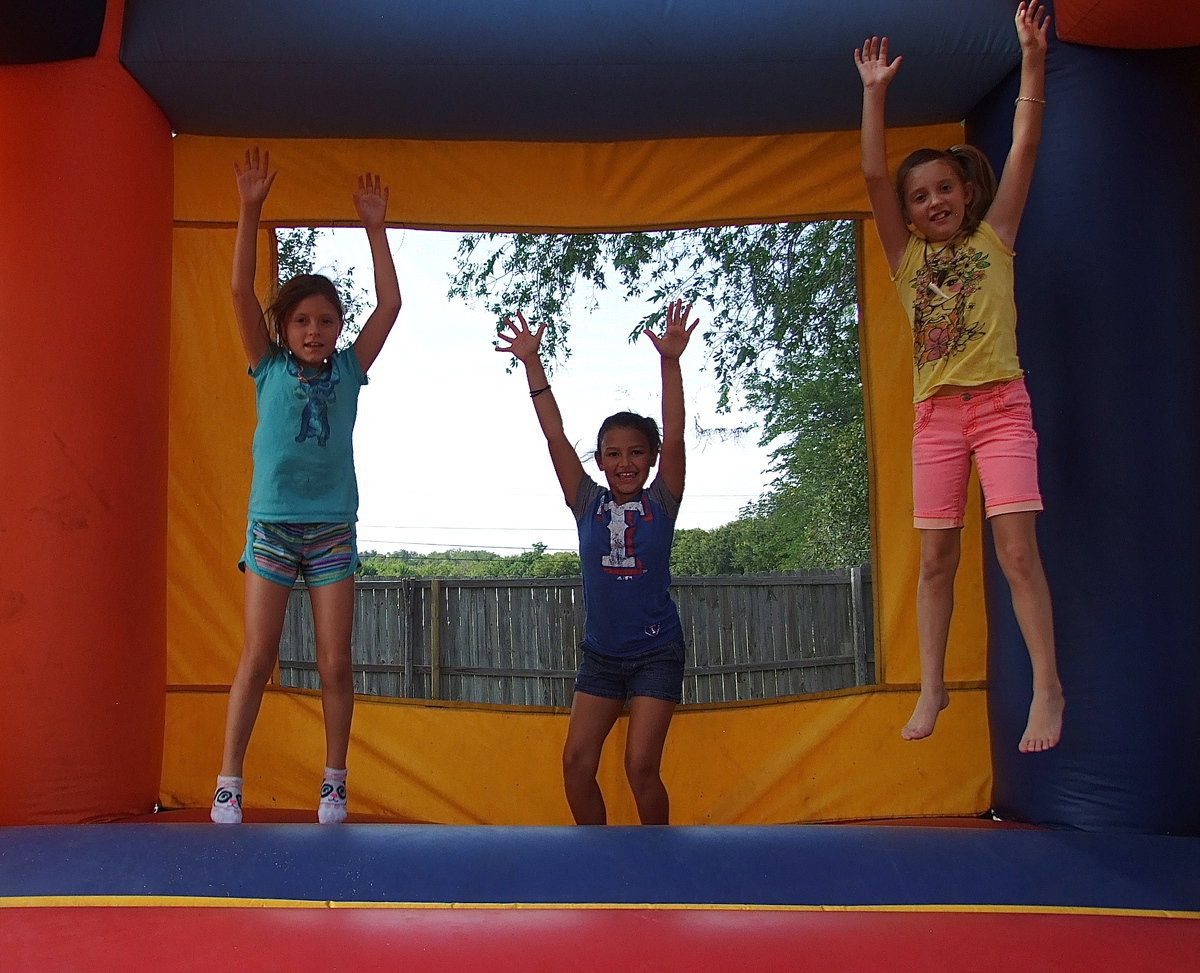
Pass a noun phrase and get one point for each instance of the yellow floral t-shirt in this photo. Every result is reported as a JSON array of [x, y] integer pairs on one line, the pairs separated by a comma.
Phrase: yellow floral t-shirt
[[959, 301]]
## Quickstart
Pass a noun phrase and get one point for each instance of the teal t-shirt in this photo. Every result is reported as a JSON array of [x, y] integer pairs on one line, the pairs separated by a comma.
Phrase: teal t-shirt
[[303, 445]]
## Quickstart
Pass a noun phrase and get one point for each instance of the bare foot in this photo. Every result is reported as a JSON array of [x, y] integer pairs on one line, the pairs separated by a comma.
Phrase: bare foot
[[925, 714], [1045, 722]]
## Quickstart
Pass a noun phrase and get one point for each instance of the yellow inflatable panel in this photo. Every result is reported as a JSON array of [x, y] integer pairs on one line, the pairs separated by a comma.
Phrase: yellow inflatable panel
[[830, 758], [801, 760]]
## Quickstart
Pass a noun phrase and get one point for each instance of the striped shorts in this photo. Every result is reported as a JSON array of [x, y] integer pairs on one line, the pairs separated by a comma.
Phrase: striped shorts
[[322, 553]]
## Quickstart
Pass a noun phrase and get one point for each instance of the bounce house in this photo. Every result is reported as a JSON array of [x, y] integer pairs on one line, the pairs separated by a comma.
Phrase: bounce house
[[808, 835]]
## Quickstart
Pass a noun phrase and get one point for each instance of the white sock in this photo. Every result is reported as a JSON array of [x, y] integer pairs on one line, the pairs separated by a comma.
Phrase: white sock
[[227, 801], [332, 809]]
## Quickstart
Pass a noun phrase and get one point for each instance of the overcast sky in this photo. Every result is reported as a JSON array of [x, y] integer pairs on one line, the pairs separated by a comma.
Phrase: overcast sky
[[447, 448]]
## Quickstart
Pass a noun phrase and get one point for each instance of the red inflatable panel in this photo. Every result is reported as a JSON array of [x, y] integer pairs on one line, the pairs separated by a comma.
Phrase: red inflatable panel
[[1131, 24], [501, 940], [85, 204]]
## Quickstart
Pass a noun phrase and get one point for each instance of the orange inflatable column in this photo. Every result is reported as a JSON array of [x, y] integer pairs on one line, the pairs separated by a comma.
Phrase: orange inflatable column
[[85, 268]]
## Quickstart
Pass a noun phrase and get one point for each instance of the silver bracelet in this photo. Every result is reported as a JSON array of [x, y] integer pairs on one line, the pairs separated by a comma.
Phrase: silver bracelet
[[1036, 101]]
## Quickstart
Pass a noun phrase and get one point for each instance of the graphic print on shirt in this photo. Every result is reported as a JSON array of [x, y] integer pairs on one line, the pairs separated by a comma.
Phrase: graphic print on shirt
[[317, 392], [944, 286], [623, 520]]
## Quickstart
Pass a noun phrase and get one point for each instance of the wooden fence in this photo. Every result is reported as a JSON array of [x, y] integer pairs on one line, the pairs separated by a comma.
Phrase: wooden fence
[[515, 640]]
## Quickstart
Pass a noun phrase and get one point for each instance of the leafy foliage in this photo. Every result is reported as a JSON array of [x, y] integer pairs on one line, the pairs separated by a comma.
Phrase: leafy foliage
[[782, 329], [537, 562], [750, 545]]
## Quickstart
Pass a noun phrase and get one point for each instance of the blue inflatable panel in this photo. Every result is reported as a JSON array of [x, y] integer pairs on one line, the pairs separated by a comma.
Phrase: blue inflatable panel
[[34, 32], [554, 70], [820, 865], [1108, 258]]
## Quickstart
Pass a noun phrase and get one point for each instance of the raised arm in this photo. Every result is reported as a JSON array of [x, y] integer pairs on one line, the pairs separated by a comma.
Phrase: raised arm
[[672, 463], [253, 183], [1033, 24], [371, 204], [876, 74], [525, 346]]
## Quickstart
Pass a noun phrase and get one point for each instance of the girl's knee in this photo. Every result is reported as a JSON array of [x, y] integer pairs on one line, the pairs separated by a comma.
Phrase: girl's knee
[[335, 673], [641, 771], [938, 563], [1019, 559], [579, 764], [256, 666]]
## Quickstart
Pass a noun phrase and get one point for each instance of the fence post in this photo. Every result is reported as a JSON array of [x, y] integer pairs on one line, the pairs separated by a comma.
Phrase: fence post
[[408, 639], [859, 627], [435, 638]]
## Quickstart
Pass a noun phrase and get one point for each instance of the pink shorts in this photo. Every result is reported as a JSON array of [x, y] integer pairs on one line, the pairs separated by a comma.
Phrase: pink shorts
[[996, 425]]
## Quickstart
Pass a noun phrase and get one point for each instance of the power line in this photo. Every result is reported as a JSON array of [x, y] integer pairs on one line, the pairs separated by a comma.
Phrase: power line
[[489, 528], [461, 555], [691, 499]]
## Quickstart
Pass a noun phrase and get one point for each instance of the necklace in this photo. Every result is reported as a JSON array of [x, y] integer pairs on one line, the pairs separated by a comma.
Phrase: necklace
[[935, 263], [934, 259], [300, 371]]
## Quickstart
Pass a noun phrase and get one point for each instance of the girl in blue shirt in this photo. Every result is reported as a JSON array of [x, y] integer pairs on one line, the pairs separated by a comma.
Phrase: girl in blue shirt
[[633, 644], [304, 496]]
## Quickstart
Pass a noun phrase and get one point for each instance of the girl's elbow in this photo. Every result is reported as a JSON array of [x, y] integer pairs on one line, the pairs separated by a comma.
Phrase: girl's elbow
[[387, 306]]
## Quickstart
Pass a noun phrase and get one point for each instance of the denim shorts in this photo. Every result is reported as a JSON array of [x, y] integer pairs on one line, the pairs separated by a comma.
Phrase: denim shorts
[[657, 673], [322, 553], [995, 426]]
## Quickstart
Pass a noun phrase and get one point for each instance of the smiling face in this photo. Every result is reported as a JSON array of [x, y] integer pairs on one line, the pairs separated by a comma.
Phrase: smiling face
[[935, 200], [625, 458], [311, 330]]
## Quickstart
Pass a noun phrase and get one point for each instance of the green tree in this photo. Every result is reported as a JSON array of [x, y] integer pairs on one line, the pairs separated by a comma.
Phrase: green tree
[[560, 564], [395, 565], [296, 251], [525, 563], [781, 325], [749, 545], [458, 563]]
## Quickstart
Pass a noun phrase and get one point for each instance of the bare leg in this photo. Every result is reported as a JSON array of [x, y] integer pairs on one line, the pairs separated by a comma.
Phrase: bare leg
[[333, 621], [649, 720], [265, 604], [1017, 551], [592, 717], [940, 553]]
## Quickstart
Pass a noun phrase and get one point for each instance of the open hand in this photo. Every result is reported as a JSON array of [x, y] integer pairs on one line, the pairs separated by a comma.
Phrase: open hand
[[872, 63], [674, 339], [254, 180], [1033, 23], [371, 199], [522, 343]]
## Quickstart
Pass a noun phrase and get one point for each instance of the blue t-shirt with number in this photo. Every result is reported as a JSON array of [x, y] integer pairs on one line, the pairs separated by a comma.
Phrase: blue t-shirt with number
[[625, 555], [303, 445]]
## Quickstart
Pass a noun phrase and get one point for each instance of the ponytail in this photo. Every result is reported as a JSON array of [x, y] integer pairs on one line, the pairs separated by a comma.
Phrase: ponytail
[[979, 173]]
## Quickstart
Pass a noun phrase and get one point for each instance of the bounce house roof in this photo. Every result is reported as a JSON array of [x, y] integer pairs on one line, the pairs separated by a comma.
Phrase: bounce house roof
[[544, 70], [547, 70]]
